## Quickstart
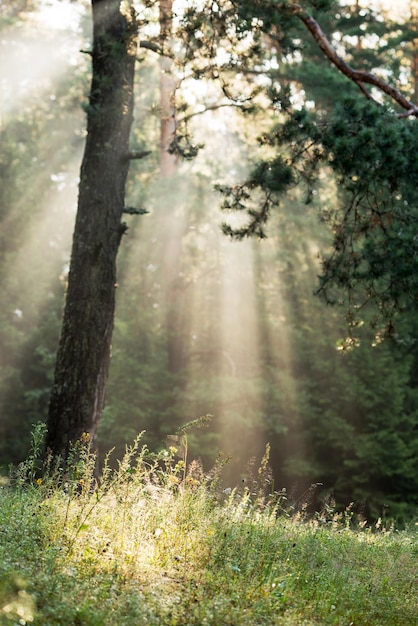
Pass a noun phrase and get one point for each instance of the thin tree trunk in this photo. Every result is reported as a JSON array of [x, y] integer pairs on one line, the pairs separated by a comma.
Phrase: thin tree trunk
[[174, 218], [168, 84], [414, 61], [77, 398]]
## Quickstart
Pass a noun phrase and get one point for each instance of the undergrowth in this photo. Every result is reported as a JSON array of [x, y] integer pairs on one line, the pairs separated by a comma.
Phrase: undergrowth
[[157, 541]]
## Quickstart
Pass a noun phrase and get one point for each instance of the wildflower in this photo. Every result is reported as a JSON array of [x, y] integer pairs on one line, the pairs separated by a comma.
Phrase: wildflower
[[39, 481]]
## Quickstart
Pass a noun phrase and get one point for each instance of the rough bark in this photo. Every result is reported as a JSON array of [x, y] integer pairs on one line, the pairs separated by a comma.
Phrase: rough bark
[[77, 397]]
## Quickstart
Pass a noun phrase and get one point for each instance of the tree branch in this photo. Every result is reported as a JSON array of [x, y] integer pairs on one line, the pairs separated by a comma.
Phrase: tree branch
[[211, 107], [357, 76], [130, 210], [155, 47], [150, 45]]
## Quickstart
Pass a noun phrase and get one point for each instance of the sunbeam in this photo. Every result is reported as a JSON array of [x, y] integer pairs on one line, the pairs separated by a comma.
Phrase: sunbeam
[[240, 405], [41, 128]]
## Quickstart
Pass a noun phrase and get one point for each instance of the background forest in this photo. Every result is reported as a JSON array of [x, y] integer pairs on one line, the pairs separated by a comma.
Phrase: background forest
[[206, 324]]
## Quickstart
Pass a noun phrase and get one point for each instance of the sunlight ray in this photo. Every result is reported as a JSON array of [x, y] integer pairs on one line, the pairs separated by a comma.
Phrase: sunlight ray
[[29, 63]]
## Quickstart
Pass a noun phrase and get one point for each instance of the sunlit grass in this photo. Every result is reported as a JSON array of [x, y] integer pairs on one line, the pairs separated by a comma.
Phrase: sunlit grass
[[156, 542]]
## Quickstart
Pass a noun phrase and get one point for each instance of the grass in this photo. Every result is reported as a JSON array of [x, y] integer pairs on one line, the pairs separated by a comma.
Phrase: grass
[[157, 542]]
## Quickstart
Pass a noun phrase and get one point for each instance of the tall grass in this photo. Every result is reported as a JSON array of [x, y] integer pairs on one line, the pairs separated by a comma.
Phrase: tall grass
[[158, 542]]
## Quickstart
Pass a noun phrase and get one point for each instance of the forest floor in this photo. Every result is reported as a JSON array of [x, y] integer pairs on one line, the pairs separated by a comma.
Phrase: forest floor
[[153, 544]]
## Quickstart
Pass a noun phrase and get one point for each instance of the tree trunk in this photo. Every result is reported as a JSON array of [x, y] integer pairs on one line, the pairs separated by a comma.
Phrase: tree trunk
[[168, 85], [414, 61], [175, 224], [77, 398]]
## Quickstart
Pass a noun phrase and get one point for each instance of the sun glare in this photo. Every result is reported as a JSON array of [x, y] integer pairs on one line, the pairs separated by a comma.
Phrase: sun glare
[[398, 9], [60, 14], [37, 53]]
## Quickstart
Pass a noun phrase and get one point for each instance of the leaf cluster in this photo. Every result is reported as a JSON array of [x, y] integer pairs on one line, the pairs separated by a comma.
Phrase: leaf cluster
[[297, 154], [373, 156]]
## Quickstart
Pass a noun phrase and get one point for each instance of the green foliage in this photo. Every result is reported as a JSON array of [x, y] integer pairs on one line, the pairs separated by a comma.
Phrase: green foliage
[[362, 433], [374, 248], [373, 255], [370, 150]]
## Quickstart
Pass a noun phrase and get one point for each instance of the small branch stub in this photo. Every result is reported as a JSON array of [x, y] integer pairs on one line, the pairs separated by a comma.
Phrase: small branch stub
[[131, 210], [137, 154], [151, 45]]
